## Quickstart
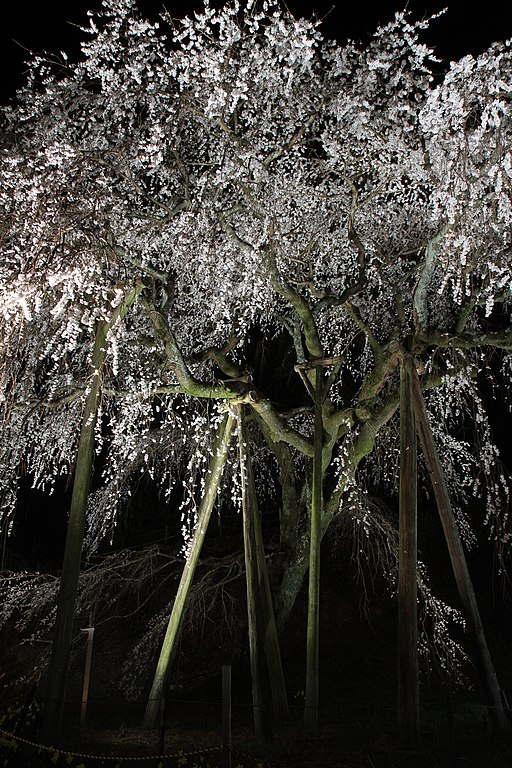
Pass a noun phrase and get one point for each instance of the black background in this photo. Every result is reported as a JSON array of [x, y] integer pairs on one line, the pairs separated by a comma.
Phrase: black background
[[50, 26]]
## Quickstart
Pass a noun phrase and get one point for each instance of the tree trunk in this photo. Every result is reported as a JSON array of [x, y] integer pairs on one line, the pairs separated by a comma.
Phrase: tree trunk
[[169, 645], [408, 689], [63, 632], [297, 564], [311, 699], [262, 624], [486, 672]]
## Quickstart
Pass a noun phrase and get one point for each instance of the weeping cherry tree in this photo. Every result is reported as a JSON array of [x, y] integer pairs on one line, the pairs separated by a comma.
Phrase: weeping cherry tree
[[254, 179]]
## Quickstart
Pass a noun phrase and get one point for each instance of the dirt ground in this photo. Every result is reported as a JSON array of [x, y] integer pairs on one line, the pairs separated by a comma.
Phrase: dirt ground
[[357, 721], [346, 739], [358, 674]]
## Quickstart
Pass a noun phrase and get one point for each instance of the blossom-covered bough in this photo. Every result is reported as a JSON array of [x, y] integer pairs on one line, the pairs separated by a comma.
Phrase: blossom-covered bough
[[186, 186]]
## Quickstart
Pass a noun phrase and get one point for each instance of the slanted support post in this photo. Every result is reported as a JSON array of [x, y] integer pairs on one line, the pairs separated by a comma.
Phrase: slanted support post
[[408, 685], [486, 672], [64, 624], [313, 631], [255, 619], [262, 599], [63, 632], [169, 645], [87, 673]]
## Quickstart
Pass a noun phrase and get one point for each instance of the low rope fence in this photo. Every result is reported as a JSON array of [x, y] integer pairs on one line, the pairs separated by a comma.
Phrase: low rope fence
[[12, 741], [19, 747]]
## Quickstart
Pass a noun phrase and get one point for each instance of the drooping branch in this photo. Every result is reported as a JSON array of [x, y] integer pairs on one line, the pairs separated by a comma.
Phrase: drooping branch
[[278, 427], [501, 339], [62, 397], [298, 302], [293, 141], [177, 363], [385, 364], [220, 357]]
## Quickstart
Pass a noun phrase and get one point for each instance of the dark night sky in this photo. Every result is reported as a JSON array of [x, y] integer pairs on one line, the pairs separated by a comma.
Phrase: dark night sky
[[466, 27]]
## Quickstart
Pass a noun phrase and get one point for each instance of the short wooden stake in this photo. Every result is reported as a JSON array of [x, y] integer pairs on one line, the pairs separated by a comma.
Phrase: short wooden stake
[[87, 674], [226, 716]]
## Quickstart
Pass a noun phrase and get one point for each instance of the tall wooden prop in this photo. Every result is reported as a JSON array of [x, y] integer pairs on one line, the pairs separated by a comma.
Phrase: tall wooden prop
[[169, 645], [312, 675], [263, 639], [272, 649], [259, 678], [408, 687], [483, 661], [227, 755], [87, 674], [63, 632]]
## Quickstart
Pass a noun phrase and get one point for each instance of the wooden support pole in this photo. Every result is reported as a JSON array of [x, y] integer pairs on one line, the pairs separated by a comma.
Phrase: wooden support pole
[[51, 725], [256, 626], [408, 685], [87, 674], [227, 760], [268, 622], [169, 645], [272, 649], [63, 632], [312, 674], [486, 672]]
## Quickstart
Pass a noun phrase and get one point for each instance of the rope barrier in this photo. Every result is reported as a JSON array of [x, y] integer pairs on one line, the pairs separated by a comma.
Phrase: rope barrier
[[120, 758], [161, 760], [57, 752]]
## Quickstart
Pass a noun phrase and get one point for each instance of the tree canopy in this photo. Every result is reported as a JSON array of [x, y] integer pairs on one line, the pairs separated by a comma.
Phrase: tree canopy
[[236, 176]]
